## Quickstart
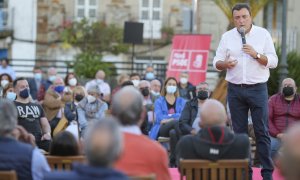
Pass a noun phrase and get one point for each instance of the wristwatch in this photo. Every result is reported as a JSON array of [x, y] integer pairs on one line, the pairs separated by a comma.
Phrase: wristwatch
[[257, 56]]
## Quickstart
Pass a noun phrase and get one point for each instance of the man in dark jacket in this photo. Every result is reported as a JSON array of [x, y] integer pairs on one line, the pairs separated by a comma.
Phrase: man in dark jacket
[[186, 89], [103, 145], [214, 141], [190, 116]]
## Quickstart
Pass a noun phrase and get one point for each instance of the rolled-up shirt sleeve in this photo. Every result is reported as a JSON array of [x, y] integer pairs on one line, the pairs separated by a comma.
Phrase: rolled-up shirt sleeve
[[270, 52], [220, 53]]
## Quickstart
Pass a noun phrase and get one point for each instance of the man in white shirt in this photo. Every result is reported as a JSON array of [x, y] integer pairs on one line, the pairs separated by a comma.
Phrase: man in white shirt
[[103, 86], [247, 61]]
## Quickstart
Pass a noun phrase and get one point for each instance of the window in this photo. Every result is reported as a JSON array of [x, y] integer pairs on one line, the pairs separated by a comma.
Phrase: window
[[86, 9], [150, 15]]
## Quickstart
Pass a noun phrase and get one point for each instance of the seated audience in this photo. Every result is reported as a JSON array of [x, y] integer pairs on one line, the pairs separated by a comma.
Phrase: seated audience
[[140, 156], [135, 78], [103, 145], [46, 83], [214, 141], [190, 116], [155, 86], [284, 111], [167, 109], [71, 107], [54, 102], [91, 108], [22, 157], [186, 89], [289, 157], [35, 82], [5, 68], [64, 144], [5, 79], [8, 92], [121, 79], [31, 115]]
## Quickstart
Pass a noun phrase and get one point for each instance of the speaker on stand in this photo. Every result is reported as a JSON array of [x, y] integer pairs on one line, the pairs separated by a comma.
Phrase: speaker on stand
[[133, 33]]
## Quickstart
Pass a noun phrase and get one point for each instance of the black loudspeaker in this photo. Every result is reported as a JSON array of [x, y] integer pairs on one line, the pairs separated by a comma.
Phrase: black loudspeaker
[[133, 32]]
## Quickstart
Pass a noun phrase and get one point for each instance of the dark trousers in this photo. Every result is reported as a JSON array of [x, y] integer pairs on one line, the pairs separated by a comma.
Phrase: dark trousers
[[255, 98], [168, 130]]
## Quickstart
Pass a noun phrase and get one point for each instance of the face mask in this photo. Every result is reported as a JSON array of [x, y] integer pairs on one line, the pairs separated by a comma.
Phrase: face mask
[[11, 96], [135, 82], [52, 78], [99, 81], [149, 76], [4, 83], [78, 97], [171, 89], [24, 93], [38, 76], [288, 91], [202, 95], [145, 91], [183, 80], [155, 93], [72, 82], [59, 88], [91, 99]]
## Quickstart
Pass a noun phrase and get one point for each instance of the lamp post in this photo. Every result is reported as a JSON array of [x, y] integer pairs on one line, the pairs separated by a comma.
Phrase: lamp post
[[283, 71]]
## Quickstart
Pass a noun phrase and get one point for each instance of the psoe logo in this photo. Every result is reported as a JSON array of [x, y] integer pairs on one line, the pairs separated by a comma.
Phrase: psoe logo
[[198, 61]]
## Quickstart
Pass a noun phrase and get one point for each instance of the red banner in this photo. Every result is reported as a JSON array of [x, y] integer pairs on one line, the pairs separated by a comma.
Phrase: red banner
[[189, 53]]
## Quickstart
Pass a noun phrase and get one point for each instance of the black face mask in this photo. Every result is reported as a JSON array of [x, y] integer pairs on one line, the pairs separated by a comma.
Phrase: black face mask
[[202, 95], [24, 93], [145, 91], [288, 91], [78, 97]]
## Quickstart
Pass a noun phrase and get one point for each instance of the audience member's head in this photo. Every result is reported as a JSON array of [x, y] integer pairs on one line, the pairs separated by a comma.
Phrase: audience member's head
[[8, 92], [37, 73], [78, 93], [58, 84], [127, 83], [71, 80], [64, 144], [202, 91], [4, 62], [8, 117], [94, 93], [144, 87], [170, 87], [51, 74], [149, 73], [135, 78], [155, 86], [212, 114], [184, 77], [289, 157], [127, 106], [288, 88], [123, 78], [100, 75], [103, 142], [21, 88], [5, 79]]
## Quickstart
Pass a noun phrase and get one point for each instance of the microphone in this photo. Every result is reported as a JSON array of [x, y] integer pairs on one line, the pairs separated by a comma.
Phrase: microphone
[[242, 32]]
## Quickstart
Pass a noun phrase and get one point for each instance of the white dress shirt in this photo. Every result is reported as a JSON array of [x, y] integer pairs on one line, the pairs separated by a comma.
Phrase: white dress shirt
[[248, 70]]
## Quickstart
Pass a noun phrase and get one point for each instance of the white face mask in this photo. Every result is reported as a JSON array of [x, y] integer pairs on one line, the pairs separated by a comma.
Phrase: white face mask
[[91, 99], [183, 80], [4, 83], [72, 82], [171, 89], [99, 81], [52, 78], [135, 82], [11, 96], [155, 93]]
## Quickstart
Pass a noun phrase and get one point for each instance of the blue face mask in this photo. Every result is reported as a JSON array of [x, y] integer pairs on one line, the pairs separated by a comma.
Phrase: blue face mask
[[38, 76], [11, 96], [24, 93], [52, 78], [59, 89], [149, 76]]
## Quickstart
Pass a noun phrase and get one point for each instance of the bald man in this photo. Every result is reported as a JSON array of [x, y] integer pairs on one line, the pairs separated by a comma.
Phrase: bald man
[[283, 112], [214, 141]]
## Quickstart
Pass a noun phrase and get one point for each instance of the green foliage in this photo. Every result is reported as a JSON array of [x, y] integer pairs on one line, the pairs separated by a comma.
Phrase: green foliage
[[293, 61], [93, 39], [87, 64], [167, 34]]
